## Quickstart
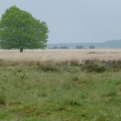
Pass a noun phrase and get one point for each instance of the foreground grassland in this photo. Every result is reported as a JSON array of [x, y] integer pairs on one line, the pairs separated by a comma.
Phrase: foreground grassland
[[66, 91]]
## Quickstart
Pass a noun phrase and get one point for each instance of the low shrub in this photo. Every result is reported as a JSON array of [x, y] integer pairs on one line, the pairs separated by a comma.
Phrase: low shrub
[[48, 66], [101, 66], [92, 66], [114, 65]]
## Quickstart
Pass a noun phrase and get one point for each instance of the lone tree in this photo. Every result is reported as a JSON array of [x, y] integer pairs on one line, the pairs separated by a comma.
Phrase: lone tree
[[20, 30]]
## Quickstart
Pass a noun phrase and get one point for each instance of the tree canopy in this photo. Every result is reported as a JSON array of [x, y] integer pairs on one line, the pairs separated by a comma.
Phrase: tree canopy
[[20, 30]]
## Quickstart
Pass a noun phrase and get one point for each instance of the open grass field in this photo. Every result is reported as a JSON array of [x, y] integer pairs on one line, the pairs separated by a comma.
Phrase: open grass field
[[36, 86], [61, 54]]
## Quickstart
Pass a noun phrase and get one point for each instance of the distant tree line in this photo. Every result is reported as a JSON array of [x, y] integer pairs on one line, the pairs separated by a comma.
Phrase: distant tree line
[[77, 47], [62, 47]]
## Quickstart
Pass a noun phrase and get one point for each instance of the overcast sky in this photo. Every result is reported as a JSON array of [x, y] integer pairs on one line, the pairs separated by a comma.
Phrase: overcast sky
[[74, 21]]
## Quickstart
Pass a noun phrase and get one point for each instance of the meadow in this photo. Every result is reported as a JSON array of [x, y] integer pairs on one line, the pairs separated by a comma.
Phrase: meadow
[[60, 85], [61, 54]]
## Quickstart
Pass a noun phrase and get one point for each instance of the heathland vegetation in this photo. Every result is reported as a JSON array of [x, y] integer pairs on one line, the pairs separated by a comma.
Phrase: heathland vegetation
[[51, 89], [54, 85]]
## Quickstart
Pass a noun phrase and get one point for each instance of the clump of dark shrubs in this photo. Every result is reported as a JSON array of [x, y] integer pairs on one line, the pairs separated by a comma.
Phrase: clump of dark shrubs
[[74, 66], [92, 66], [47, 66], [101, 66], [114, 65]]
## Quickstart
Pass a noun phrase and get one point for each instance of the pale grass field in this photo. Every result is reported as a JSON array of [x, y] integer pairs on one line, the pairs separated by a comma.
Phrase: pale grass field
[[61, 55]]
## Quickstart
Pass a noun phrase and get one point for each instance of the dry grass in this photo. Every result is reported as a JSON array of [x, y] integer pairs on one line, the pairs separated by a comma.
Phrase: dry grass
[[61, 55]]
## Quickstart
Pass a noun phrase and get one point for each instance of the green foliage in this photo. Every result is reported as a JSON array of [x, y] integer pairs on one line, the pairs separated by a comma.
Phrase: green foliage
[[20, 30]]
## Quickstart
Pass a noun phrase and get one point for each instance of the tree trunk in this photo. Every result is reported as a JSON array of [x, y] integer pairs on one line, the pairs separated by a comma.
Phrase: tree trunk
[[21, 49]]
